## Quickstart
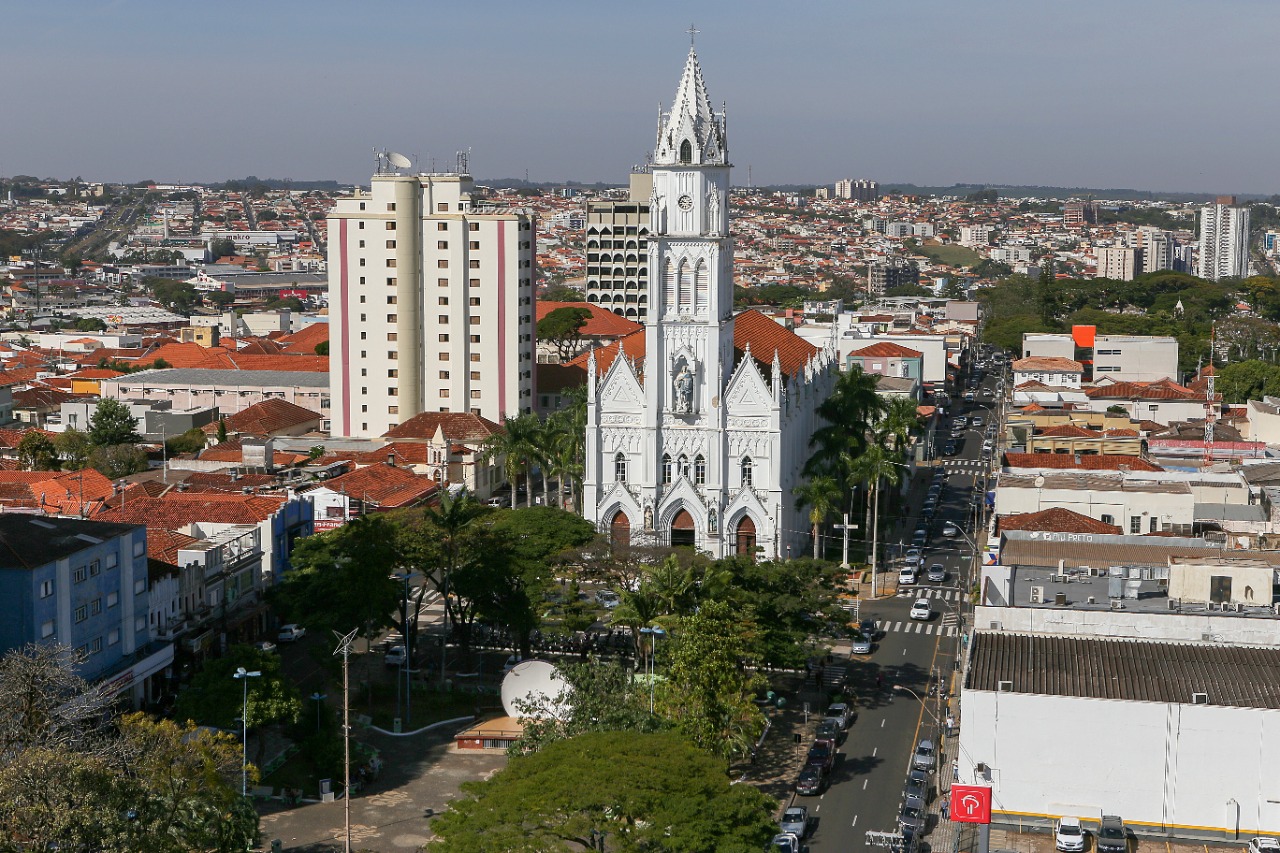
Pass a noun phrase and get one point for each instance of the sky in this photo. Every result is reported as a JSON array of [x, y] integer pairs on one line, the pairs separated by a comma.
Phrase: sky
[[1166, 95]]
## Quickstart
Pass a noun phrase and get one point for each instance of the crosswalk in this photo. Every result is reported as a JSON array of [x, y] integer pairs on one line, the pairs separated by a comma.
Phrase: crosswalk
[[964, 464], [913, 627], [930, 592]]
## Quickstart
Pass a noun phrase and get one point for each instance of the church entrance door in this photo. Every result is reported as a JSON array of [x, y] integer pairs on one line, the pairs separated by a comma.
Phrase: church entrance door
[[620, 529], [682, 530], [745, 544]]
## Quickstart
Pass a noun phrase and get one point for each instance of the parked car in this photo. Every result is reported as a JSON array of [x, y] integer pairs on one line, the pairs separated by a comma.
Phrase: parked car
[[917, 786], [786, 842], [1262, 844], [1068, 835], [840, 714], [821, 756], [810, 782], [265, 646], [937, 573], [869, 628], [920, 536], [977, 420], [396, 656], [921, 610], [911, 821], [290, 633], [499, 501], [1112, 837], [829, 730], [950, 448], [950, 530], [608, 598], [907, 576], [795, 820], [860, 644], [925, 755]]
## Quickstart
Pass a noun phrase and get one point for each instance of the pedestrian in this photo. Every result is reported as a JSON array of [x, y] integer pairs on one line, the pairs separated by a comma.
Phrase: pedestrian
[[946, 810], [955, 769], [951, 724]]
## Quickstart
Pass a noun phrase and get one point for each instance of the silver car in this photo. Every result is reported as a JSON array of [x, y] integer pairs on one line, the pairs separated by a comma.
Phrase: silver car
[[925, 755]]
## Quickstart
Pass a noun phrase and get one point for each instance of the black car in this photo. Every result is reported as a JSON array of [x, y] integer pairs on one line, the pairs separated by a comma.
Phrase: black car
[[1112, 837], [828, 731], [950, 449], [821, 757], [868, 629], [810, 782]]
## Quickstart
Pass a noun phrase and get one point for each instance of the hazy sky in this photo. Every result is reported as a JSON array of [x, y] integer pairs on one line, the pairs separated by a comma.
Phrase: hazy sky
[[1150, 94]]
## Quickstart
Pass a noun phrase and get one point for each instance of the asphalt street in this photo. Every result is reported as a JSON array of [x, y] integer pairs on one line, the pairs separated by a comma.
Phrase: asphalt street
[[867, 783]]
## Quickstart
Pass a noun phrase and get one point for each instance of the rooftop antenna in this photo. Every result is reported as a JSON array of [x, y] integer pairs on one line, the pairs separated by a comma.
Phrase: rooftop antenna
[[1210, 414], [398, 161], [462, 158], [379, 161]]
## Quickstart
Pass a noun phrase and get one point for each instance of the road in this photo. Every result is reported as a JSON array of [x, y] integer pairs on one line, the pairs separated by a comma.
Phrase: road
[[867, 782]]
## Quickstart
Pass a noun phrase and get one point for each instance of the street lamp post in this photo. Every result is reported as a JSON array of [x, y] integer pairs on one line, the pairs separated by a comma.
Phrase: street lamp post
[[244, 675], [653, 658], [318, 697]]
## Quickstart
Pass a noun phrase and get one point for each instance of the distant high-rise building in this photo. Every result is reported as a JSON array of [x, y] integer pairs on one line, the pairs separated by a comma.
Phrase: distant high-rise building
[[1157, 249], [1076, 213], [431, 304], [822, 192], [618, 251], [890, 273], [975, 236], [1118, 262], [859, 190], [1224, 239]]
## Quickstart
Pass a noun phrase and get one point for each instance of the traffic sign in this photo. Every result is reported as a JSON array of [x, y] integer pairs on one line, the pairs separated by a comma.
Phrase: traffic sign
[[971, 803]]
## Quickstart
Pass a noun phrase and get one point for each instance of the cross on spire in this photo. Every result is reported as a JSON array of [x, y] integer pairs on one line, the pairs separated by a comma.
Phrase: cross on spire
[[692, 31]]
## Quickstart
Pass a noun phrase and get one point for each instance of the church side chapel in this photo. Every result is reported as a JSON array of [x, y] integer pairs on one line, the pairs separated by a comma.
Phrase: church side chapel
[[699, 426]]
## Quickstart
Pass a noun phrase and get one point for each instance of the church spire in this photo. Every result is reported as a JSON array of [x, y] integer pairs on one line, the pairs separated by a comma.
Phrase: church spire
[[691, 132]]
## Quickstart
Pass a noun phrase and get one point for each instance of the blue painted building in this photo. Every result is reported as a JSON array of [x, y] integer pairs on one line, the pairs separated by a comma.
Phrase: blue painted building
[[83, 584]]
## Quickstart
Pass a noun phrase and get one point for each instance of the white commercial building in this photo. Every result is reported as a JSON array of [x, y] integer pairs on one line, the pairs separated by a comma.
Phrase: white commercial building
[[1224, 240], [1179, 739], [431, 304], [698, 436], [1123, 358]]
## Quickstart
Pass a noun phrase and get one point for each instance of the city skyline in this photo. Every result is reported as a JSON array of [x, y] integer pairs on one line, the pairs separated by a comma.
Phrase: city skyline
[[1136, 95]]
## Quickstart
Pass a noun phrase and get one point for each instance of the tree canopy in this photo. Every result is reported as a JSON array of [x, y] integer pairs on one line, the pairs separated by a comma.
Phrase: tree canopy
[[562, 328], [609, 791], [112, 423]]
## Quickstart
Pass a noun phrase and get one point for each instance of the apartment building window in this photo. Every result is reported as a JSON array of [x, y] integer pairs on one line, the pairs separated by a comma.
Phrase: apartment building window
[[361, 226], [82, 613], [473, 226], [475, 395], [444, 356], [1135, 524], [475, 339], [393, 355], [444, 374], [391, 207], [95, 607], [46, 589], [364, 371], [1107, 519], [364, 409], [362, 208], [95, 646], [442, 318], [140, 624], [391, 244], [443, 263], [391, 300], [442, 207], [474, 245], [392, 318], [95, 568], [362, 264], [113, 636], [80, 574], [474, 264], [442, 244], [475, 282], [46, 629], [112, 561], [363, 317], [362, 278], [475, 301], [475, 321], [442, 282], [475, 356], [444, 392], [393, 374], [393, 336], [361, 244], [475, 376], [391, 281], [393, 410], [391, 262], [1154, 527], [393, 391], [391, 225], [364, 336], [443, 300], [362, 302]]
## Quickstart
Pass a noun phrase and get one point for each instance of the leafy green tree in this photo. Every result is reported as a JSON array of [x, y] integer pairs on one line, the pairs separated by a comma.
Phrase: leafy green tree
[[1247, 380], [608, 791], [219, 298], [73, 447], [222, 430], [191, 441], [178, 296], [216, 698], [36, 452], [90, 324], [709, 693], [118, 460], [600, 696], [322, 348], [562, 328], [563, 293], [225, 247], [112, 423], [328, 567]]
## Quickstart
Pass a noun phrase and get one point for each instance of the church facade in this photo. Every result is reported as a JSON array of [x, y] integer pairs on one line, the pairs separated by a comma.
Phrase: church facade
[[698, 426]]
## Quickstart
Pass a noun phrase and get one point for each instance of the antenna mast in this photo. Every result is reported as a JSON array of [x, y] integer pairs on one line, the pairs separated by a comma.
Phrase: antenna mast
[[1210, 411]]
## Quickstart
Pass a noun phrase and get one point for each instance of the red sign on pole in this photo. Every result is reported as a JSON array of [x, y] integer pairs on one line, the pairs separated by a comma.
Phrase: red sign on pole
[[971, 803]]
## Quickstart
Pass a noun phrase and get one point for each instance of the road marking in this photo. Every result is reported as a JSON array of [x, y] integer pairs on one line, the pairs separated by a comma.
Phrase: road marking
[[864, 784], [855, 821], [904, 653], [882, 722], [874, 751]]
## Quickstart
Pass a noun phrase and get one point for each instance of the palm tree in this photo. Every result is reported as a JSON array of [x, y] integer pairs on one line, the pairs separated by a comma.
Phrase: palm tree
[[899, 420], [874, 467], [849, 411], [517, 444], [443, 544], [822, 494]]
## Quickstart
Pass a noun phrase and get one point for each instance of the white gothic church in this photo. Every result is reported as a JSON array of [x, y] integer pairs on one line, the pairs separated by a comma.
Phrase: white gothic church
[[698, 426]]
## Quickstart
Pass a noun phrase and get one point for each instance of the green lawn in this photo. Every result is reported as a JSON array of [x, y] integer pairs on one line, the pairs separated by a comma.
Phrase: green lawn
[[950, 254]]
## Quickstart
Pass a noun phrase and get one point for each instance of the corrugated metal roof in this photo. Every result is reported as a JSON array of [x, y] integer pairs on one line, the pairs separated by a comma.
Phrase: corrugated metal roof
[[1128, 670], [1100, 551]]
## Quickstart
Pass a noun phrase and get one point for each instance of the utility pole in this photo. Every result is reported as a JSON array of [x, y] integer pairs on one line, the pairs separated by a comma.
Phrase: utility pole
[[344, 649]]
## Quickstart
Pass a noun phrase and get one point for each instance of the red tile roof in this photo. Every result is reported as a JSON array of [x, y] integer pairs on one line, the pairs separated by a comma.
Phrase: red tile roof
[[401, 452], [95, 373], [305, 339], [269, 417], [603, 323], [231, 451], [1068, 431], [1087, 461], [163, 545], [765, 337], [1056, 520], [388, 486], [1164, 389], [217, 481], [633, 346], [176, 510], [887, 349], [1051, 363], [456, 426]]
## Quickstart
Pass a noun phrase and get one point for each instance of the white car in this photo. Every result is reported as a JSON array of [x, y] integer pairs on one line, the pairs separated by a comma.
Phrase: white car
[[950, 530], [608, 598], [921, 610], [1263, 844], [291, 633], [796, 821], [395, 656], [1069, 835], [907, 576]]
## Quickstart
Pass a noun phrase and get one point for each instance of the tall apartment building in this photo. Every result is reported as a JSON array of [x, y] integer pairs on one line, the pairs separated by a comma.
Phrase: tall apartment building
[[859, 190], [975, 236], [891, 273], [1224, 239], [1157, 248], [1076, 213], [431, 304], [618, 251], [1118, 262]]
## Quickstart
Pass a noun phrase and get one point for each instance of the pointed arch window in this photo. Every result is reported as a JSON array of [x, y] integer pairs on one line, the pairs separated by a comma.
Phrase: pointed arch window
[[620, 467], [686, 152], [702, 287], [699, 470], [748, 471], [684, 466], [666, 468], [686, 286], [669, 284]]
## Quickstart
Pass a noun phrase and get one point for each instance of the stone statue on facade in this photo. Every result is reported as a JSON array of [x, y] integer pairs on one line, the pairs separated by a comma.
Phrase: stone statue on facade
[[684, 390]]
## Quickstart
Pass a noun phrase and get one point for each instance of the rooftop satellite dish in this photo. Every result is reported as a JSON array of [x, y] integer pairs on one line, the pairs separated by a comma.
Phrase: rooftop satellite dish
[[398, 161], [529, 680]]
